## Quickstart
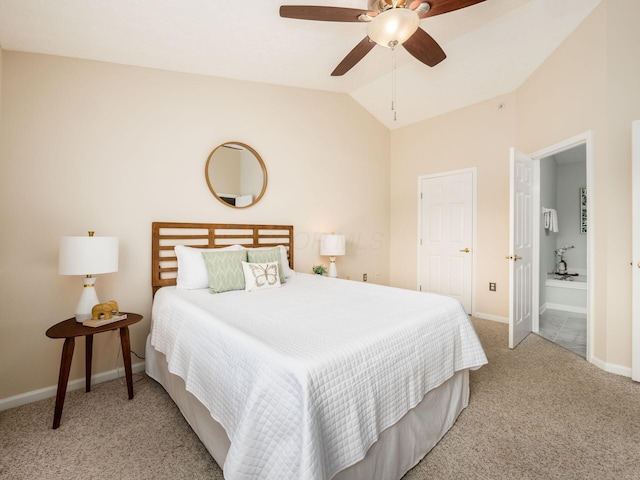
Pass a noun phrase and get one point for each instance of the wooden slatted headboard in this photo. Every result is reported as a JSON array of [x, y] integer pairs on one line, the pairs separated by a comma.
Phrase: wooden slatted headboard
[[166, 235]]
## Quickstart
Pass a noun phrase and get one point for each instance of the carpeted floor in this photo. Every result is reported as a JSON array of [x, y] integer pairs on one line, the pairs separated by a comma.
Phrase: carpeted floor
[[538, 412]]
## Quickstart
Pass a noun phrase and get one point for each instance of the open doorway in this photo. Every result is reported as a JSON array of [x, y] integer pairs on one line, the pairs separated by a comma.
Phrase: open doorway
[[524, 289], [563, 266]]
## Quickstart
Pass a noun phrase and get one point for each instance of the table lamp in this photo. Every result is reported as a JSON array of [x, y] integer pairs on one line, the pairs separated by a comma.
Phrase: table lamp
[[332, 246], [87, 256]]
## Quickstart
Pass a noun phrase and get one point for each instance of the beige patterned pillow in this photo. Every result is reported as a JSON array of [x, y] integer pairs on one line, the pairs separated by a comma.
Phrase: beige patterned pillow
[[225, 270], [260, 276]]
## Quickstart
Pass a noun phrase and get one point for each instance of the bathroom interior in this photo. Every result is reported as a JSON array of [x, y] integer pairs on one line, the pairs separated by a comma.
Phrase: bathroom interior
[[563, 249]]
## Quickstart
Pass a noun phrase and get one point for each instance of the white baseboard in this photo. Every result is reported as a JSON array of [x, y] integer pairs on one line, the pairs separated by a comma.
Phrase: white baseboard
[[42, 393], [611, 367], [495, 318]]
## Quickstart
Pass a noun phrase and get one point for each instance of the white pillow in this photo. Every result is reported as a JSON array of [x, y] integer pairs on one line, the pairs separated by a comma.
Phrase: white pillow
[[260, 276], [286, 270], [192, 271]]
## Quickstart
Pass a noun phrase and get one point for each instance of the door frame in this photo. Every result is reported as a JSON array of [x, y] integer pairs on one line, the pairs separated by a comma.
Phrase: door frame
[[635, 251], [585, 138], [474, 210]]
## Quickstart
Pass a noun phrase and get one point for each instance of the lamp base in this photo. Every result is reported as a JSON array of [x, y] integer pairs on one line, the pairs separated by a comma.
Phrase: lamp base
[[88, 299], [333, 271]]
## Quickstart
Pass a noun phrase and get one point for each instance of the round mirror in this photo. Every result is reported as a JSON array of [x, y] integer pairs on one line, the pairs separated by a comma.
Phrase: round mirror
[[236, 175]]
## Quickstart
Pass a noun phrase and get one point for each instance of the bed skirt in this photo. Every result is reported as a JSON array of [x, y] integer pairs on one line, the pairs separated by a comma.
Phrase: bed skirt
[[398, 449]]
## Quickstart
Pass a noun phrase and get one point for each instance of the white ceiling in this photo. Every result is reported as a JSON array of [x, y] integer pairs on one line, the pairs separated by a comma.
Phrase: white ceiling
[[492, 47]]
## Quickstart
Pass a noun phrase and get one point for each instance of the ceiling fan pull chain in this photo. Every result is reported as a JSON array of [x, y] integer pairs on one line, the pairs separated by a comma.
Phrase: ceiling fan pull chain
[[393, 84]]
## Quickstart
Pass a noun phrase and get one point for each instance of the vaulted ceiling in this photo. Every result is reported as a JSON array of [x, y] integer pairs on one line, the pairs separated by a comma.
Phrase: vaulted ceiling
[[491, 47]]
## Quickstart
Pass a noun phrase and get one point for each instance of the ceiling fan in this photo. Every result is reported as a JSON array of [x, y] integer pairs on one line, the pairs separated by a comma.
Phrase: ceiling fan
[[391, 23]]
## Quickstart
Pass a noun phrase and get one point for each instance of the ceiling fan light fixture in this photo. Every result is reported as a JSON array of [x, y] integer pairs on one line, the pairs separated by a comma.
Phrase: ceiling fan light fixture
[[393, 27]]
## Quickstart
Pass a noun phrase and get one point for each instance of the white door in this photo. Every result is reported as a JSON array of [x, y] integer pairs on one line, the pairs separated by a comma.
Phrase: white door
[[520, 248], [446, 236], [635, 218]]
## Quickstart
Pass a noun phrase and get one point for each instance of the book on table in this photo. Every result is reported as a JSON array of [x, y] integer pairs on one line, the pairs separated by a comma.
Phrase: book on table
[[104, 321]]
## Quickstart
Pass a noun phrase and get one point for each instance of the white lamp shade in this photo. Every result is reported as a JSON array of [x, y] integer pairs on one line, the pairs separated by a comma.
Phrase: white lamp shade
[[393, 27], [332, 245], [88, 255]]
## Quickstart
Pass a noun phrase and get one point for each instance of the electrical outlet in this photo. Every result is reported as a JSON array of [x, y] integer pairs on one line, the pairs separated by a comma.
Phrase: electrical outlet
[[364, 277], [492, 287]]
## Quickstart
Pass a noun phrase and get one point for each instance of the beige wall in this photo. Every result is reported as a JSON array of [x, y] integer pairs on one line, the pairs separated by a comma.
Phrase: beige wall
[[589, 83], [89, 145], [594, 78], [1, 54], [477, 136], [623, 87]]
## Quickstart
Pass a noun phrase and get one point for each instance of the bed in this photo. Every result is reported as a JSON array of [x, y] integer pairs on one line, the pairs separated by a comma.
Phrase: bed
[[319, 378]]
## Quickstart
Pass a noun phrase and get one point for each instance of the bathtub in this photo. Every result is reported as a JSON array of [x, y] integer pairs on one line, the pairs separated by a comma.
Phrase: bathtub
[[569, 295]]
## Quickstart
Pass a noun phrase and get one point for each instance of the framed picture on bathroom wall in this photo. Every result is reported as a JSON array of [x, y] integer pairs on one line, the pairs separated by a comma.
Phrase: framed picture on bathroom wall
[[583, 210]]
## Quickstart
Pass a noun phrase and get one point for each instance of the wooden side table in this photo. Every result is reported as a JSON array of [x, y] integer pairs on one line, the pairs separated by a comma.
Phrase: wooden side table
[[70, 329]]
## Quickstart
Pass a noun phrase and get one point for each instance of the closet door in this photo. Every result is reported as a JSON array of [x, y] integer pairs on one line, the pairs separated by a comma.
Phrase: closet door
[[446, 248]]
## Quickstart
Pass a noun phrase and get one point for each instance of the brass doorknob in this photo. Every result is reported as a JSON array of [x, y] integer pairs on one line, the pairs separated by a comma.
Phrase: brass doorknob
[[465, 250], [513, 257]]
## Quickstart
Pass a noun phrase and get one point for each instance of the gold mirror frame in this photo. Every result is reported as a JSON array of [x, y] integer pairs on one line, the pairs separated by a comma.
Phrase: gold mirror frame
[[208, 171]]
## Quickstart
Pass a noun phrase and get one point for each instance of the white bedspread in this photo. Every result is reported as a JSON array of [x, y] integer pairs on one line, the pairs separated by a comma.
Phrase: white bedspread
[[305, 377]]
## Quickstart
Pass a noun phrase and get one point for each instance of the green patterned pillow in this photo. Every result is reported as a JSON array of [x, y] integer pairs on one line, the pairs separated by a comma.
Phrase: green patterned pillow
[[266, 255], [225, 270]]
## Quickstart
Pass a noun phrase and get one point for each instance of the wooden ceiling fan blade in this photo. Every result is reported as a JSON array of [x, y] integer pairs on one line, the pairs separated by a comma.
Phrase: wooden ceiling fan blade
[[438, 7], [326, 14], [422, 46], [354, 56]]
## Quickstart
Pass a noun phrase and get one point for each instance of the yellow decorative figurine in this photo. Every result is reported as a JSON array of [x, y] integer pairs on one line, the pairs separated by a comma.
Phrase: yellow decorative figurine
[[105, 309]]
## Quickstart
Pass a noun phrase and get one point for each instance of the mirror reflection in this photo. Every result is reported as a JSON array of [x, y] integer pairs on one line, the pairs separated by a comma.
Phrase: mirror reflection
[[236, 175]]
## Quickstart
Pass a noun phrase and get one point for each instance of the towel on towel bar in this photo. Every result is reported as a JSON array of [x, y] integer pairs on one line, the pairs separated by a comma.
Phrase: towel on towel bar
[[550, 219]]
